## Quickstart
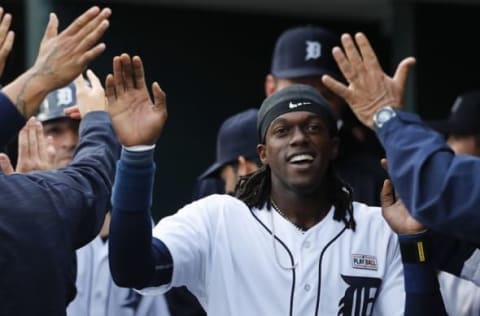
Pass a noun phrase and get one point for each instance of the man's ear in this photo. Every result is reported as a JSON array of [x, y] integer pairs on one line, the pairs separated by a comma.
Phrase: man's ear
[[270, 85], [262, 153], [245, 167]]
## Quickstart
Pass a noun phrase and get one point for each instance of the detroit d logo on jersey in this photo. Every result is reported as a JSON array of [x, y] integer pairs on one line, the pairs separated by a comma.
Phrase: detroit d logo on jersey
[[313, 50], [360, 296]]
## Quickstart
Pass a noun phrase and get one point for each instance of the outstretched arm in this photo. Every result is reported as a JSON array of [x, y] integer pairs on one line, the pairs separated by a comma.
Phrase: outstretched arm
[[136, 259], [422, 290], [441, 190]]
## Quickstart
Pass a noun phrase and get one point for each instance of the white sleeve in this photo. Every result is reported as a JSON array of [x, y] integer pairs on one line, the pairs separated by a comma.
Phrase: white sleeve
[[187, 236]]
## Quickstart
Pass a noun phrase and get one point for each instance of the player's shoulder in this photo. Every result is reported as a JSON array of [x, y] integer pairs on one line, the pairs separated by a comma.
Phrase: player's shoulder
[[216, 203], [369, 217]]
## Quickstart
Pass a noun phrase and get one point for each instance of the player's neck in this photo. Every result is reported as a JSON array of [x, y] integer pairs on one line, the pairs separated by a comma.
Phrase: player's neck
[[304, 211]]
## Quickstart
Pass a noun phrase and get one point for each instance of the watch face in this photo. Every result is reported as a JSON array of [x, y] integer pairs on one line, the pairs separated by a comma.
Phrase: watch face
[[383, 115]]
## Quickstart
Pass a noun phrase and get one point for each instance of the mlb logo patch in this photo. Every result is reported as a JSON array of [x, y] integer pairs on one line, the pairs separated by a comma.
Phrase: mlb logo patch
[[364, 262]]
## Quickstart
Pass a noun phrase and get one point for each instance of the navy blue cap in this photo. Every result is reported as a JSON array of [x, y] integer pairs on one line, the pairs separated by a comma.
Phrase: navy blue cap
[[305, 51], [237, 137], [464, 118], [56, 101]]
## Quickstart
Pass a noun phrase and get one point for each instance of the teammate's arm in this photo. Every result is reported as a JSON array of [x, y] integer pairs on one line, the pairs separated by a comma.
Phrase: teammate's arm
[[422, 290]]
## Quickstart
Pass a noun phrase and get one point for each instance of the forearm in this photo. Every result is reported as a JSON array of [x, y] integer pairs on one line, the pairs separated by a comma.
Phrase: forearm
[[136, 258], [28, 91], [430, 179], [423, 295], [11, 120]]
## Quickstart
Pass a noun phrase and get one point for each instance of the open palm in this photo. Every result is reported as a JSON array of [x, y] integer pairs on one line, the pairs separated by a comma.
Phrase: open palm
[[136, 119]]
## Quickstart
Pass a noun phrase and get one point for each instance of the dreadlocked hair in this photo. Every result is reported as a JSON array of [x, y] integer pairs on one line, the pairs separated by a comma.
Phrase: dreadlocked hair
[[341, 194], [254, 191]]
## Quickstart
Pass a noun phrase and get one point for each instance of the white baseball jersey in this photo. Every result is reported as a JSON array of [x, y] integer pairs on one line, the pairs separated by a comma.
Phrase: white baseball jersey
[[238, 261], [461, 297], [97, 295]]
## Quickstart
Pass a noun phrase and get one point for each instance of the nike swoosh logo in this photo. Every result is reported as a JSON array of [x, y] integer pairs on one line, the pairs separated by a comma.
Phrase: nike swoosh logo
[[292, 105]]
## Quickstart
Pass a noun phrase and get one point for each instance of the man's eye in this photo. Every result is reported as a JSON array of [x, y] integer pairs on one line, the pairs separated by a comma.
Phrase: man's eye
[[314, 128], [281, 130]]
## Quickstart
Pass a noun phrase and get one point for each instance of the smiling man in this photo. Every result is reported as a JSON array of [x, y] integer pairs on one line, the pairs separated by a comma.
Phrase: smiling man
[[292, 241]]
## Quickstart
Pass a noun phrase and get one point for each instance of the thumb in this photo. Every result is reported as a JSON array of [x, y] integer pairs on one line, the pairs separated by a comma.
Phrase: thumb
[[52, 27], [401, 74], [6, 165], [387, 197], [159, 97]]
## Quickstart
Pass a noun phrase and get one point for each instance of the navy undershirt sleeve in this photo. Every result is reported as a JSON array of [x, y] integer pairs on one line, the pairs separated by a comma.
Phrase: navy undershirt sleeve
[[137, 259]]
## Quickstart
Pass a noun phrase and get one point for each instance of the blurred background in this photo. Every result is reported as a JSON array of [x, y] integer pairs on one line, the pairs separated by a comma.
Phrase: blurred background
[[211, 57]]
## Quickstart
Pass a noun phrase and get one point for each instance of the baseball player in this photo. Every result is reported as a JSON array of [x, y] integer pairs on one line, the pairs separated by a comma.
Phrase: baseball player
[[291, 243], [96, 292]]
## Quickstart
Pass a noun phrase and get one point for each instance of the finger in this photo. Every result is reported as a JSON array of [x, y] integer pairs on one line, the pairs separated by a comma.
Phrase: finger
[[94, 81], [138, 72], [344, 65], [32, 140], [92, 38], [76, 26], [110, 90], [71, 109], [118, 75], [22, 145], [369, 57], [7, 45], [92, 54], [351, 51], [387, 196], [127, 72], [41, 142], [75, 116], [5, 26], [384, 163], [6, 164], [403, 69], [159, 98], [93, 24], [79, 83], [52, 27], [336, 86]]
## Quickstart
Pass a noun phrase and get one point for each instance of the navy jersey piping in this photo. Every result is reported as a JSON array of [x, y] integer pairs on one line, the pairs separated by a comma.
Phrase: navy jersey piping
[[292, 293], [320, 267]]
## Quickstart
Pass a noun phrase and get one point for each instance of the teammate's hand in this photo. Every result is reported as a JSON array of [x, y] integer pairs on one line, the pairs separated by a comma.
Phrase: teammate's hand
[[395, 212], [370, 88], [136, 119], [89, 97], [35, 151], [61, 58], [6, 38]]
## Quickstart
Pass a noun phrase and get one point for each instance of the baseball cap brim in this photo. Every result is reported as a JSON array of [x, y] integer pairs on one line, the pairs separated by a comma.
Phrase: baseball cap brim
[[214, 168]]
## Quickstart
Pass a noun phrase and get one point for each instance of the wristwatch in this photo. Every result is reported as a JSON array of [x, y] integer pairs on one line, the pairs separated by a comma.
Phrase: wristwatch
[[383, 115]]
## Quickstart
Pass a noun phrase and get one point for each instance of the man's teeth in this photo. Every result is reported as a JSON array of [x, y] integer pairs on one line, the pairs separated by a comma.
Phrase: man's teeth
[[299, 158]]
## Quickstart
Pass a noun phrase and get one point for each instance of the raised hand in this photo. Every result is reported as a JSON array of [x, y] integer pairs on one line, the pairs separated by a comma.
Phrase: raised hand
[[61, 58], [395, 212], [35, 151], [6, 38], [136, 119], [370, 88], [89, 97]]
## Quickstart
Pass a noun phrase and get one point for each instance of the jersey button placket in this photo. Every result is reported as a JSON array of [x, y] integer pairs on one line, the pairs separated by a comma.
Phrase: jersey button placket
[[307, 287]]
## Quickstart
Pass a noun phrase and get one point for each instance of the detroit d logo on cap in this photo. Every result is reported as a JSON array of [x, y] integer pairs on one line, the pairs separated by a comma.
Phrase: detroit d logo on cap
[[313, 50]]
